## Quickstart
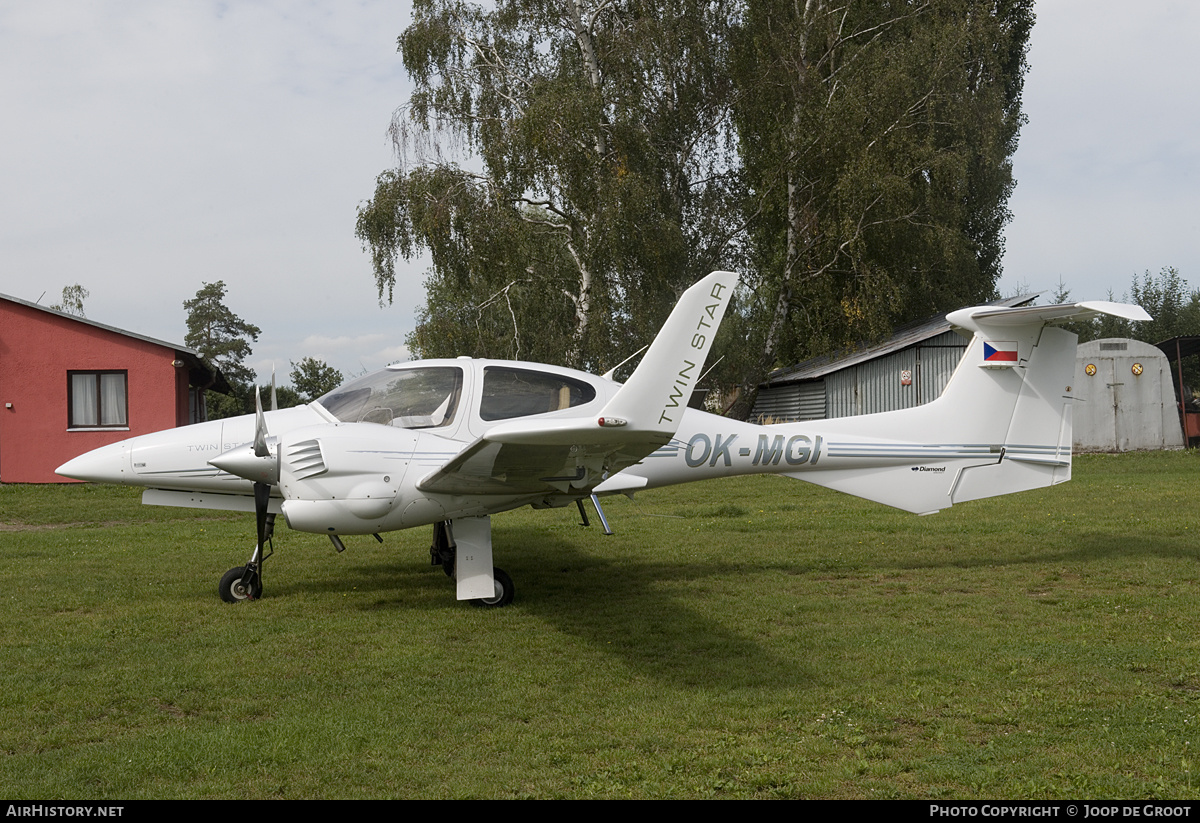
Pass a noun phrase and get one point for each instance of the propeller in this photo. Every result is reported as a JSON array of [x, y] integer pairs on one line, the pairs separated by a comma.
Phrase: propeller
[[256, 462]]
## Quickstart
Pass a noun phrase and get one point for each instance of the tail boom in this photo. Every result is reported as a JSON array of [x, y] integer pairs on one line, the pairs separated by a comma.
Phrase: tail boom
[[1002, 425]]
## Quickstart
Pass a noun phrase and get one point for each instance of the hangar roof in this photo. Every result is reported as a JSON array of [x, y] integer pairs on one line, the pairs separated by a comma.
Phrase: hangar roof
[[1182, 346], [904, 337]]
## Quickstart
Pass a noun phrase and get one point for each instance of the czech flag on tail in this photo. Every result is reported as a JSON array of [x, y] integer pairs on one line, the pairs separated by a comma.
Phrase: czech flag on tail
[[999, 355]]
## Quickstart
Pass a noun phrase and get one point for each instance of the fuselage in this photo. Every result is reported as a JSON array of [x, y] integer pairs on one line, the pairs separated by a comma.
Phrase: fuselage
[[413, 436]]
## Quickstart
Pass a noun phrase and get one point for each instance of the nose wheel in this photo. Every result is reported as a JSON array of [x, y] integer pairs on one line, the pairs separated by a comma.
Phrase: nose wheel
[[245, 582], [260, 465], [238, 585]]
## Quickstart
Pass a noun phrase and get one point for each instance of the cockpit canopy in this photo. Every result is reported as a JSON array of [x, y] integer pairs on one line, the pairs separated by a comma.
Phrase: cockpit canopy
[[425, 396]]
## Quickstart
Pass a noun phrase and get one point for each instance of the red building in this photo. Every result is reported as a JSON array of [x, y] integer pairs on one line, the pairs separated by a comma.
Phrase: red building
[[69, 385]]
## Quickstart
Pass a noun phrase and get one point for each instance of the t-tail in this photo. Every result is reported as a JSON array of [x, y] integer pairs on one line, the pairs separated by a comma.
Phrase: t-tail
[[1002, 425]]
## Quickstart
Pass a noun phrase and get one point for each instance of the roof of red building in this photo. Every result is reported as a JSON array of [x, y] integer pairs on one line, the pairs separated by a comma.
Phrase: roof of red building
[[201, 373]]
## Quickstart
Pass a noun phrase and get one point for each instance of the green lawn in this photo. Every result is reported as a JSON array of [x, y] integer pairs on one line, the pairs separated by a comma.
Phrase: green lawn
[[742, 638]]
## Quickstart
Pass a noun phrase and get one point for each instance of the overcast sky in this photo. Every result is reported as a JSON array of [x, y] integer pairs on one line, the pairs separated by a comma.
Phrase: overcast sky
[[1108, 170], [149, 147]]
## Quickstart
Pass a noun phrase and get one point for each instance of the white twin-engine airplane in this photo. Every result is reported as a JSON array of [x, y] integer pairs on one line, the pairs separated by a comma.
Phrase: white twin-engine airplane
[[450, 442]]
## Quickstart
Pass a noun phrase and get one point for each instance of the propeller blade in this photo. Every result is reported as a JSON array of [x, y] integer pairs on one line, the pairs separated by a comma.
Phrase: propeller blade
[[274, 399], [260, 427]]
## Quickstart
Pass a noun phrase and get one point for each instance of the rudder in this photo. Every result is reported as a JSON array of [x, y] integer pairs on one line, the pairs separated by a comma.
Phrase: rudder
[[1036, 449]]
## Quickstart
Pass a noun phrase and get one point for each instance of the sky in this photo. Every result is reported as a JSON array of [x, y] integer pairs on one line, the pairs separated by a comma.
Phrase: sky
[[151, 147], [1108, 168]]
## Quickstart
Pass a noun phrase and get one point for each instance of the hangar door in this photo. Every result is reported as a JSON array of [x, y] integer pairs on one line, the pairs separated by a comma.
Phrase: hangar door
[[1125, 400]]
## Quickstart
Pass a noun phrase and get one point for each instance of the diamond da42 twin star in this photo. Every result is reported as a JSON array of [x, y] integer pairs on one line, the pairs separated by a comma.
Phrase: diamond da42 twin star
[[449, 443]]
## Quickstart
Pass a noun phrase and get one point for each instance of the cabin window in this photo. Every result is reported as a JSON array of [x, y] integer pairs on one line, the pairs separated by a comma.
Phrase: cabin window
[[97, 400], [511, 393]]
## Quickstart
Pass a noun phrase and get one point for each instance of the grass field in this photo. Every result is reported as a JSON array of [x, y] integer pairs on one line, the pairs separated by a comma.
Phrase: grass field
[[743, 638]]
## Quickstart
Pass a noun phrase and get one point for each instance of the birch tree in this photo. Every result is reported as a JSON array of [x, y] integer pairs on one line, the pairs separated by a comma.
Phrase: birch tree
[[568, 165], [72, 300]]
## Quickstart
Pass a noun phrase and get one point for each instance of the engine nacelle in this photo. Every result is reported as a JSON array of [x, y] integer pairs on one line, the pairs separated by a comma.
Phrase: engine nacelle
[[344, 479]]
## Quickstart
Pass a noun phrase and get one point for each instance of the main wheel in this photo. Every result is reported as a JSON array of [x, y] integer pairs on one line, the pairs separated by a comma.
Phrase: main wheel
[[504, 592], [232, 590]]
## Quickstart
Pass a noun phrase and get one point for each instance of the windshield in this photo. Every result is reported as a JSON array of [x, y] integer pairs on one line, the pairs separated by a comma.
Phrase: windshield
[[419, 398]]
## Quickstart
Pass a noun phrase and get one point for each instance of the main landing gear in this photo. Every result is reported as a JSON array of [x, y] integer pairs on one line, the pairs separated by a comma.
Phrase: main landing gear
[[504, 591], [475, 540]]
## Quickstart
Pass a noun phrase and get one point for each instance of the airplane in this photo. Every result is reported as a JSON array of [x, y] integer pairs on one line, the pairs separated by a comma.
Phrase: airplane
[[451, 442]]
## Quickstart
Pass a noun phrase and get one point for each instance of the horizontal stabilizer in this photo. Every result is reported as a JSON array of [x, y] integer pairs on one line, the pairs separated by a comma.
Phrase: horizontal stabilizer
[[980, 317]]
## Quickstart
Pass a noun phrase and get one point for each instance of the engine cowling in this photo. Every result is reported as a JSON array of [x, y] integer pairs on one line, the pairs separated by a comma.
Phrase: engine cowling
[[344, 479]]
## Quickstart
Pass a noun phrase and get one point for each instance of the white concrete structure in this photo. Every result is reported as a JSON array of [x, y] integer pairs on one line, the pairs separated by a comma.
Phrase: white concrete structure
[[1125, 398]]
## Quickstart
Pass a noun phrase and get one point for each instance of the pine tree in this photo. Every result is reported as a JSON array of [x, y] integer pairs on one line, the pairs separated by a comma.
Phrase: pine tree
[[223, 339]]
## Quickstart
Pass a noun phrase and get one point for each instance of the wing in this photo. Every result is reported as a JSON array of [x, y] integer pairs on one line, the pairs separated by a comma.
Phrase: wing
[[495, 465], [574, 454]]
